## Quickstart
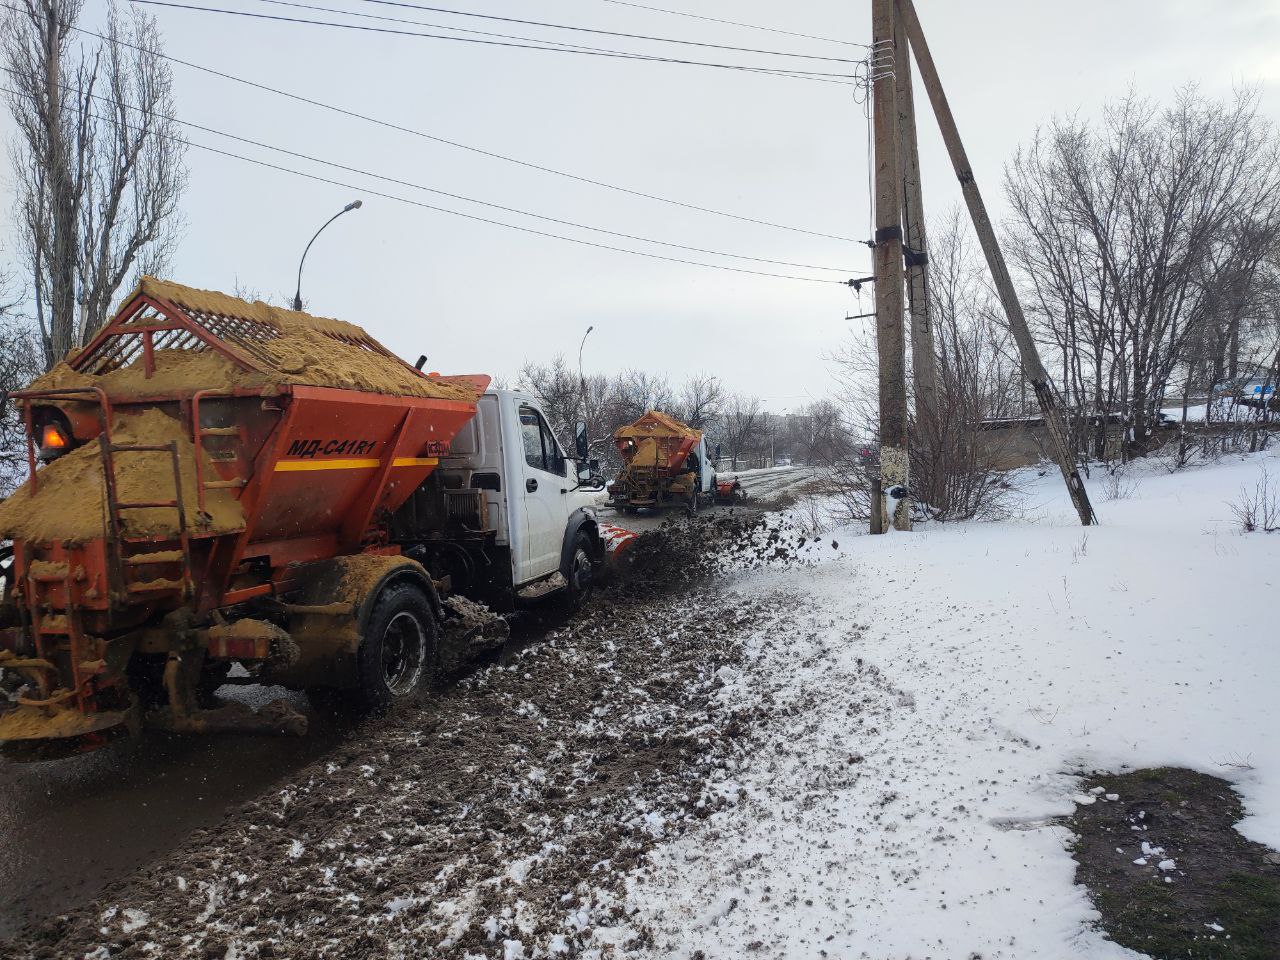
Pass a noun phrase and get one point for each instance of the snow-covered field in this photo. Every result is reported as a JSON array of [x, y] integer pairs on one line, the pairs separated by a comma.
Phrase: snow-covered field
[[932, 714]]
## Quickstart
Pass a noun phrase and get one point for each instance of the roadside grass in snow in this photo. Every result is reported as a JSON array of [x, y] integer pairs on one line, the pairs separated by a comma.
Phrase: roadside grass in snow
[[1258, 509], [1168, 871]]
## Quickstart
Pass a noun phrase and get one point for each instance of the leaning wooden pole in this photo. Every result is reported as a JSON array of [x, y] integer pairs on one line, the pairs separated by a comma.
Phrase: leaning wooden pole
[[1032, 367], [890, 336], [924, 365]]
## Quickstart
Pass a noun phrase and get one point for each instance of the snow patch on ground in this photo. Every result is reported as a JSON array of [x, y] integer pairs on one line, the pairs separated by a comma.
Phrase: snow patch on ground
[[906, 800]]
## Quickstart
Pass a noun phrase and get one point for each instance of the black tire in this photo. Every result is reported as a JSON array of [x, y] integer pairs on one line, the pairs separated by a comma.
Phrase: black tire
[[397, 655], [581, 573]]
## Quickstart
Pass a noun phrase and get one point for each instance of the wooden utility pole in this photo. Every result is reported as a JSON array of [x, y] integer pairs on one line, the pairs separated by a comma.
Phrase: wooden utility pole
[[890, 337], [924, 365], [1032, 367]]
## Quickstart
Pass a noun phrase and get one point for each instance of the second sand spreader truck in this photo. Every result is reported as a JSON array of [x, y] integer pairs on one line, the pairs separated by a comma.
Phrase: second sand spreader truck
[[216, 482], [666, 463]]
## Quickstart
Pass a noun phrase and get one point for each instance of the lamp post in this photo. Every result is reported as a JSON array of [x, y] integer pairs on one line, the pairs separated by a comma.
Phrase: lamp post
[[297, 297], [582, 379]]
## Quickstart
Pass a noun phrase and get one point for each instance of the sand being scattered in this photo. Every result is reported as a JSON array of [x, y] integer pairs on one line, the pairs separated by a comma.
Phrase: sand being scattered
[[70, 504]]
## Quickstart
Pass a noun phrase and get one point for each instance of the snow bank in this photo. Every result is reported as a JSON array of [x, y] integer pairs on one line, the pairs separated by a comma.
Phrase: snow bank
[[932, 719]]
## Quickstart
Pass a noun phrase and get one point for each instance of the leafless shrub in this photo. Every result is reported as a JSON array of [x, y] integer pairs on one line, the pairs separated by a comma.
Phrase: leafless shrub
[[1259, 508], [1116, 482], [1237, 762], [810, 517]]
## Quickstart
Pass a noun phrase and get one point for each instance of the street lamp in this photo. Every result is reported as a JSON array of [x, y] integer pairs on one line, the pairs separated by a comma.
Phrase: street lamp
[[582, 380], [297, 297]]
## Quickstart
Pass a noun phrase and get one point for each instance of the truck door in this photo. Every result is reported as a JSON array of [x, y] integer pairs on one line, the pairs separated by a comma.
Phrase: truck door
[[706, 470], [544, 495]]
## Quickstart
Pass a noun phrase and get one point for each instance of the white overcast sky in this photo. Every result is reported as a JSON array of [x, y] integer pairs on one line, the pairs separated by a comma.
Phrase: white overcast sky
[[478, 298]]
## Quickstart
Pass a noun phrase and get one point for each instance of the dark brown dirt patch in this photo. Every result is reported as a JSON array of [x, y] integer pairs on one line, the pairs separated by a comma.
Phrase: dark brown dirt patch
[[1169, 872]]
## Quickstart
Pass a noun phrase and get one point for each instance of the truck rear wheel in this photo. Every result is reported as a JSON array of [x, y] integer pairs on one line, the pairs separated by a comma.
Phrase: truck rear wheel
[[397, 654]]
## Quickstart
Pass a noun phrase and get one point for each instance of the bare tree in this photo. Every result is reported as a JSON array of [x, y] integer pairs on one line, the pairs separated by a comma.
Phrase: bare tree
[[1140, 241], [98, 161], [823, 438], [557, 389], [700, 401], [19, 364], [742, 423], [956, 452]]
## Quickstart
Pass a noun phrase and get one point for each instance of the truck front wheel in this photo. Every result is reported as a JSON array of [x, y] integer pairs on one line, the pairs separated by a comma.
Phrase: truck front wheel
[[397, 653], [581, 574]]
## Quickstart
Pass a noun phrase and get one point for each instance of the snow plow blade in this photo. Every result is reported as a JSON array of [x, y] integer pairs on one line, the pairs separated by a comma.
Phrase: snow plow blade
[[616, 540], [730, 491]]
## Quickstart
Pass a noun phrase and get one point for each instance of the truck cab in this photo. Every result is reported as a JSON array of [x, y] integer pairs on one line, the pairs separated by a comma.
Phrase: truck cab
[[514, 501]]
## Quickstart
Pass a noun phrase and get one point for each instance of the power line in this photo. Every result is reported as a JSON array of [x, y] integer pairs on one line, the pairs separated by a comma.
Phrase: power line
[[737, 23], [607, 33], [387, 124], [814, 75], [452, 196], [499, 223], [555, 45], [457, 213]]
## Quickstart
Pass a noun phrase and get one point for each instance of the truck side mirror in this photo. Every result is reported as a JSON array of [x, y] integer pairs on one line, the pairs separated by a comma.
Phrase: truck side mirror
[[580, 440], [717, 456]]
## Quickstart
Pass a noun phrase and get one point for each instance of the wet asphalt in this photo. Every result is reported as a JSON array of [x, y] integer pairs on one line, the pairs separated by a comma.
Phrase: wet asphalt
[[69, 827]]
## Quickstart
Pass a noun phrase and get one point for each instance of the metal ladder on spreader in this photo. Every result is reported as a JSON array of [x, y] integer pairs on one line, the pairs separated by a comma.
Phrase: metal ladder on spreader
[[63, 629], [134, 552]]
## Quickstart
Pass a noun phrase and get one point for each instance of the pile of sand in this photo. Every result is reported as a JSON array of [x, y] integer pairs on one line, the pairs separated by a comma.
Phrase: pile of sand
[[176, 371], [656, 424], [294, 348], [70, 504]]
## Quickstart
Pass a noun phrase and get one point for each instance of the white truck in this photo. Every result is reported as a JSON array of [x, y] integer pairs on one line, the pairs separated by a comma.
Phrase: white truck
[[537, 534]]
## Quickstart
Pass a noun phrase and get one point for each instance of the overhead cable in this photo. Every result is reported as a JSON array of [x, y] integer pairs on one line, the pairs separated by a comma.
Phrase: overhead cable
[[400, 128], [457, 213], [736, 23], [607, 33], [844, 79], [455, 196]]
